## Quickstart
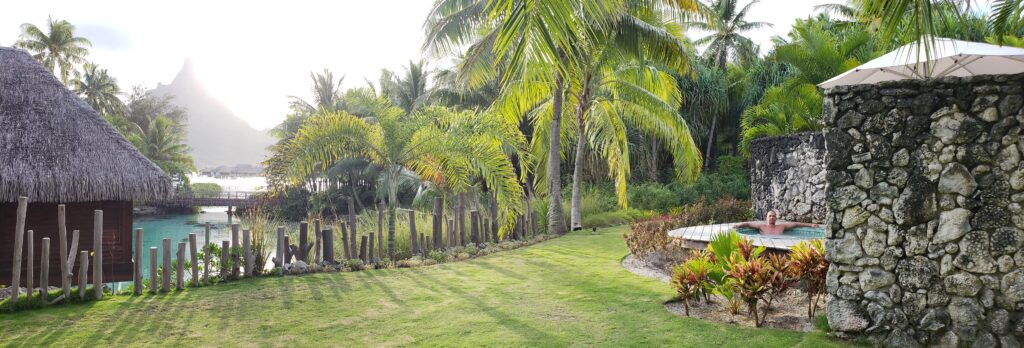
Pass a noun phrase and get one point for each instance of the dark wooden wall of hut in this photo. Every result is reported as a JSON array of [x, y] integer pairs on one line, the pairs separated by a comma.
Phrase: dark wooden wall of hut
[[42, 219]]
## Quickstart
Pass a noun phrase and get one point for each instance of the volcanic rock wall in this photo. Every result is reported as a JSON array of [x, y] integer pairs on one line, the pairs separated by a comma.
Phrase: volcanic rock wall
[[924, 223], [787, 173]]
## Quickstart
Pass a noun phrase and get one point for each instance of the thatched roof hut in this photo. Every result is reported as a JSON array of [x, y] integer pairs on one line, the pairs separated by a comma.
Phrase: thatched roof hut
[[55, 149]]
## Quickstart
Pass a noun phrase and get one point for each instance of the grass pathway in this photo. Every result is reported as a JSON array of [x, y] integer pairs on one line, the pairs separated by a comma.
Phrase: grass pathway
[[569, 291]]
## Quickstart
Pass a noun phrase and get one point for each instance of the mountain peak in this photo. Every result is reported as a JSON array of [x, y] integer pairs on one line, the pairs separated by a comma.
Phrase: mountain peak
[[187, 73]]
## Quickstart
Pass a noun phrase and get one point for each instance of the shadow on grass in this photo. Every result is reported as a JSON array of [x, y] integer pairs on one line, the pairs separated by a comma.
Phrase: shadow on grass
[[522, 328]]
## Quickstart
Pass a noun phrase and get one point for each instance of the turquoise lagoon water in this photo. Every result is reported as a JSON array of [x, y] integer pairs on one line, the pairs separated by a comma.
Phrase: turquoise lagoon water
[[178, 227], [794, 233]]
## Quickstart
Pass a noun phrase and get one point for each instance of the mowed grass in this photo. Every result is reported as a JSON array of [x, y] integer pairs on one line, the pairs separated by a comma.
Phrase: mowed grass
[[569, 291]]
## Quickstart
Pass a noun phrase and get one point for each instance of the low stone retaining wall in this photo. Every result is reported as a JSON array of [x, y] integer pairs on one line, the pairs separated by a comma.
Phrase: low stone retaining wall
[[787, 173], [924, 223]]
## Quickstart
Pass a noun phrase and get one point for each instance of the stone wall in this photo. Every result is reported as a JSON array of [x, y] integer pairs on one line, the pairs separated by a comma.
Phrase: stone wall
[[787, 173], [924, 223]]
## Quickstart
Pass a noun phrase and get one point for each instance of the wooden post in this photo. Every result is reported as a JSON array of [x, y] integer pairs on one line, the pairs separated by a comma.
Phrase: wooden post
[[494, 219], [362, 249], [485, 232], [225, 259], [152, 270], [380, 230], [235, 257], [97, 246], [328, 246], [316, 244], [460, 215], [344, 242], [165, 275], [430, 247], [206, 255], [370, 255], [280, 249], [352, 230], [19, 238], [250, 261], [412, 232], [44, 270], [137, 262], [474, 226], [30, 266], [528, 219], [194, 259], [437, 221], [65, 268], [83, 273], [180, 270], [422, 249], [303, 241]]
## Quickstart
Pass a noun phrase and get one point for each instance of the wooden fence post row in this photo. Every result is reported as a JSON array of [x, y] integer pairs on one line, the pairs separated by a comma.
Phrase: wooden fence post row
[[19, 237], [247, 252]]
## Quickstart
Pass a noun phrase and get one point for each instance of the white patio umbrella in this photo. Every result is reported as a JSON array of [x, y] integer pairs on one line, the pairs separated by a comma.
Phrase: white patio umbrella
[[947, 57]]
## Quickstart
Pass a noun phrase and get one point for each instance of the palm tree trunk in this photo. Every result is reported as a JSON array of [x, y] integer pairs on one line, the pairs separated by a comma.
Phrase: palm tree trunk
[[355, 193], [711, 142], [392, 205], [556, 217], [577, 172]]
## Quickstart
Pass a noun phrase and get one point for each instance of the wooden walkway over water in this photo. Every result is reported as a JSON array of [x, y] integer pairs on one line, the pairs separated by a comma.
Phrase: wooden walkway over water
[[241, 199]]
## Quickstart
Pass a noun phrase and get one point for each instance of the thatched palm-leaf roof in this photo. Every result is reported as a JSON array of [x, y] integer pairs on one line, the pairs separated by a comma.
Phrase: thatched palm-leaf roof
[[55, 148]]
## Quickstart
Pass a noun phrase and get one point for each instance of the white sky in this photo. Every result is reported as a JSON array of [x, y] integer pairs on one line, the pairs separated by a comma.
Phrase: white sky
[[253, 56]]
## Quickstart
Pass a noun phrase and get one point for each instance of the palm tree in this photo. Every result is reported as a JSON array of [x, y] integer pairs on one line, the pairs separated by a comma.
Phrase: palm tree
[[437, 144], [535, 43], [624, 83], [163, 142], [99, 90], [326, 95], [58, 49], [819, 53], [921, 20], [408, 92], [727, 26], [792, 107]]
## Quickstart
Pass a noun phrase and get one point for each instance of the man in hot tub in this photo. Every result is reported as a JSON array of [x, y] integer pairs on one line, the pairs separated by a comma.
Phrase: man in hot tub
[[770, 227]]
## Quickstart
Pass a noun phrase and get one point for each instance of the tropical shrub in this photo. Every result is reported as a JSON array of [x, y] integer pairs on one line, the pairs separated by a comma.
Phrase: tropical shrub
[[649, 236], [691, 279], [750, 280], [653, 196], [724, 210], [807, 263]]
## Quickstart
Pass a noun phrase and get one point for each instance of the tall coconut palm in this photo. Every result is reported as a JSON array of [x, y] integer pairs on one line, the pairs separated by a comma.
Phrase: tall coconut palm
[[99, 90], [58, 48], [437, 144], [727, 25]]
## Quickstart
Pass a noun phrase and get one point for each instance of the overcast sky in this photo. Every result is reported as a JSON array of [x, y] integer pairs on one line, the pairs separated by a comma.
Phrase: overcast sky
[[252, 57]]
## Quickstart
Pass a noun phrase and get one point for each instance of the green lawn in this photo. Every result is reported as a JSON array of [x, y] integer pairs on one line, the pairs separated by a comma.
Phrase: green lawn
[[569, 291]]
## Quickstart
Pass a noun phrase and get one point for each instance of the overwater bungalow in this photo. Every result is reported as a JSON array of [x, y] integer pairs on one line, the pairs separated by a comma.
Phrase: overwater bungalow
[[55, 149]]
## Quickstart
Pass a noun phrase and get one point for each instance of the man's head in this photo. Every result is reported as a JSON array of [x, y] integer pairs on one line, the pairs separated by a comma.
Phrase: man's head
[[771, 217]]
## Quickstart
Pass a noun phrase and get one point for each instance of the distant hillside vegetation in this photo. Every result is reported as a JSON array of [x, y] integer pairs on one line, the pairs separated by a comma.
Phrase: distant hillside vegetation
[[216, 135]]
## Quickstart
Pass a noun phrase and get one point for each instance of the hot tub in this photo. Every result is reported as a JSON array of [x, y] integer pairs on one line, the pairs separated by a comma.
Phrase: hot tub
[[699, 236]]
